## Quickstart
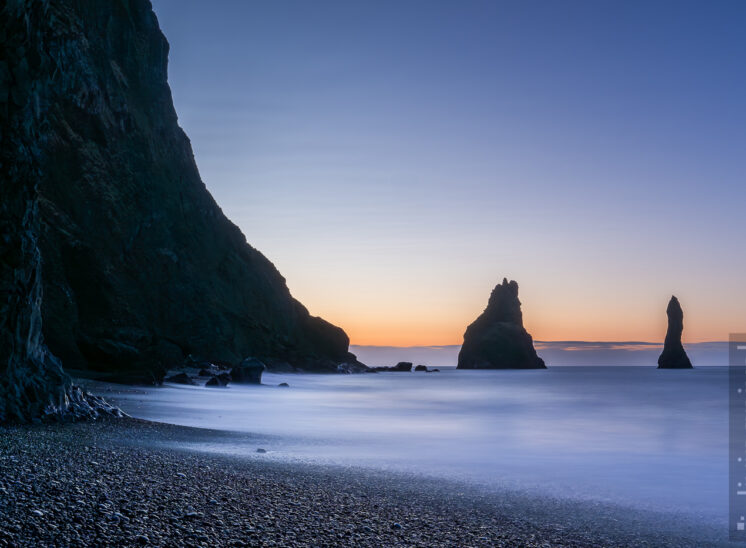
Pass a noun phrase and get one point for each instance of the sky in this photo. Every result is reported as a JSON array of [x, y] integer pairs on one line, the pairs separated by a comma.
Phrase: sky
[[396, 160]]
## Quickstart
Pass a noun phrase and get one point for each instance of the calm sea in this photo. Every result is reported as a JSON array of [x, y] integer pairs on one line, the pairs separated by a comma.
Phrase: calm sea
[[632, 435]]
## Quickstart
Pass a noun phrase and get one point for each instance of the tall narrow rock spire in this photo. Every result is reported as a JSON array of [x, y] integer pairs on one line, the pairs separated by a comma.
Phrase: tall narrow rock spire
[[673, 355]]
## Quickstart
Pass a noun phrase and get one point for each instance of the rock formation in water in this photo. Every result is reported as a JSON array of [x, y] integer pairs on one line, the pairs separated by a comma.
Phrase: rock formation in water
[[139, 266], [401, 367], [673, 355], [497, 338]]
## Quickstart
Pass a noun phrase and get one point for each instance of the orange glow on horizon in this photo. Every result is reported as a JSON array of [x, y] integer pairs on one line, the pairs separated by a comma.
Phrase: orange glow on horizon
[[423, 311], [448, 331]]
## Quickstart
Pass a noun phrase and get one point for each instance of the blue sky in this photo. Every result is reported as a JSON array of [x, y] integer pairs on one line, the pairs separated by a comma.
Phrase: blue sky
[[396, 159]]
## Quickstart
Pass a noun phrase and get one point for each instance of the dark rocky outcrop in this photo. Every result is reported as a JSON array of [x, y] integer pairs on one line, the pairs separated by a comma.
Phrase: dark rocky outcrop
[[221, 380], [249, 371], [497, 338], [421, 368], [33, 385], [139, 266], [180, 378], [401, 367], [673, 355]]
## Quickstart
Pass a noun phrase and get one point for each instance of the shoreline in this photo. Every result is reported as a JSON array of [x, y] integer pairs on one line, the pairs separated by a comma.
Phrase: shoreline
[[116, 482]]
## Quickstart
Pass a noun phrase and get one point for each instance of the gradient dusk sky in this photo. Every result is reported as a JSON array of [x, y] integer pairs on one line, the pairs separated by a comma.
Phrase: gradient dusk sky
[[397, 159]]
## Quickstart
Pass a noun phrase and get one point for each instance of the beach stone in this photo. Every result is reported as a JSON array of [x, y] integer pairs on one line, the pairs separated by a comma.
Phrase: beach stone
[[283, 385], [249, 371], [260, 450], [180, 378], [219, 381]]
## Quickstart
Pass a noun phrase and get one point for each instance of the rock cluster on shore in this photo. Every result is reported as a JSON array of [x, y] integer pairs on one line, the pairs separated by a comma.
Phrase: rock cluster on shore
[[497, 338], [249, 371], [674, 356]]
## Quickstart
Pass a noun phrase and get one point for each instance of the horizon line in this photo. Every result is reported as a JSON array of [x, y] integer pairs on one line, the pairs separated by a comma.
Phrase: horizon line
[[536, 341]]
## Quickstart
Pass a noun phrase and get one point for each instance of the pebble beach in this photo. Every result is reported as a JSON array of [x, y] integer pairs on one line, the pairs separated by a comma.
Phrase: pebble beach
[[120, 482]]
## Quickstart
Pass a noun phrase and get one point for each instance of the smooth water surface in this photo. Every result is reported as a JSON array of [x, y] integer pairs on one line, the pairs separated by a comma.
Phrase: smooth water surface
[[634, 435]]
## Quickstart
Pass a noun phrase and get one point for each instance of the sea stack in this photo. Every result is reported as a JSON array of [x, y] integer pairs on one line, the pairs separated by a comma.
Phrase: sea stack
[[673, 355], [497, 338]]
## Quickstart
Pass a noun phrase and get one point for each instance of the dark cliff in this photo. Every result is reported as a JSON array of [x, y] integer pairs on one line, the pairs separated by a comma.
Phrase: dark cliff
[[32, 382], [140, 267], [497, 338], [674, 356]]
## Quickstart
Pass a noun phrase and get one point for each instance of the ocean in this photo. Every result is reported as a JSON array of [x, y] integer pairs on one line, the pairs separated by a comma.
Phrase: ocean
[[635, 436]]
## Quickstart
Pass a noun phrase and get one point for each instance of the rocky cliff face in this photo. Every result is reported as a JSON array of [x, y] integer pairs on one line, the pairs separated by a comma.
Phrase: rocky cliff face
[[140, 267], [497, 338], [30, 377], [673, 355], [32, 383]]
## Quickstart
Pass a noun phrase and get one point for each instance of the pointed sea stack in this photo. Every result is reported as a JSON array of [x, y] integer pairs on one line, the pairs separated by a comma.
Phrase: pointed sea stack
[[497, 338], [673, 355]]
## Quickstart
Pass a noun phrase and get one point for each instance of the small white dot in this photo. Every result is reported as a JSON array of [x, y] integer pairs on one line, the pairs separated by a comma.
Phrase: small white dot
[[739, 484], [740, 390], [739, 459]]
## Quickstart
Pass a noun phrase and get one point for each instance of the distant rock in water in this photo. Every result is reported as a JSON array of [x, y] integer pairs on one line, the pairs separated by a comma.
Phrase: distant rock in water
[[421, 368], [401, 367], [497, 338], [673, 355]]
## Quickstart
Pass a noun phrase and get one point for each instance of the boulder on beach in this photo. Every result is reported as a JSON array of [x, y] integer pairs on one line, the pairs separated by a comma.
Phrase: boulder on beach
[[220, 380], [180, 378], [497, 338], [249, 371], [673, 355]]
